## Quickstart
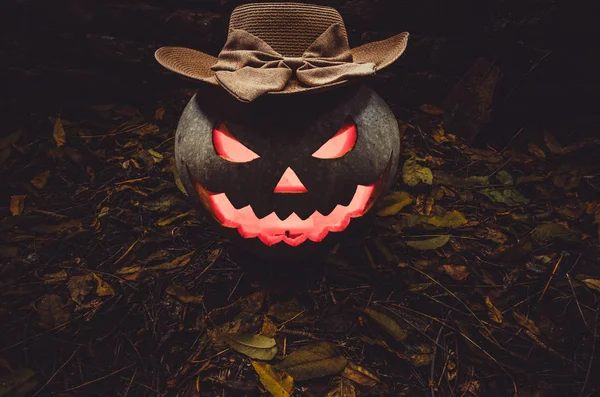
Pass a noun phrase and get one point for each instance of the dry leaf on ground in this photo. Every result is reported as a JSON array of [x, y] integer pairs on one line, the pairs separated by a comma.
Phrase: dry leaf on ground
[[313, 361], [254, 346], [279, 384]]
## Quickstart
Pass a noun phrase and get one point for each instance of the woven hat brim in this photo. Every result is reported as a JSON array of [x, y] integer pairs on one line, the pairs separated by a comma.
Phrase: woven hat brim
[[188, 62], [197, 65]]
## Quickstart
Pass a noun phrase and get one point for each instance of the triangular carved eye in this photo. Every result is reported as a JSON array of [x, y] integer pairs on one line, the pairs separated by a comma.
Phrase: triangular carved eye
[[228, 147], [340, 144]]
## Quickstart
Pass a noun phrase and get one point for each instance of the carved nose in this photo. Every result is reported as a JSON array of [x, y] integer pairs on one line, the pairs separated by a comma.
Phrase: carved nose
[[290, 183]]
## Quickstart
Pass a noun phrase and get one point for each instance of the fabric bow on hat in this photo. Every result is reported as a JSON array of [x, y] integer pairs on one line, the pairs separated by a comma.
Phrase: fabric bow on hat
[[248, 67]]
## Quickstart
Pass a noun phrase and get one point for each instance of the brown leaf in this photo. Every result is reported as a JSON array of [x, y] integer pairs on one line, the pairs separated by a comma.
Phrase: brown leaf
[[59, 133], [448, 219], [360, 375], [527, 323], [552, 143], [55, 278], [343, 388], [429, 244], [389, 325], [432, 109], [536, 151], [159, 113], [421, 355], [52, 311], [8, 251], [313, 361], [17, 204], [41, 180], [268, 327], [457, 272], [176, 263], [493, 312], [80, 287], [183, 295]]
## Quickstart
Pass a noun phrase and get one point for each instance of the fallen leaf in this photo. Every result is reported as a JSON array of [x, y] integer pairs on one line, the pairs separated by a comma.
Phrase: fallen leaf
[[168, 221], [159, 113], [52, 311], [432, 109], [18, 383], [55, 278], [536, 151], [592, 283], [413, 173], [41, 180], [457, 272], [10, 139], [549, 231], [420, 355], [59, 133], [80, 287], [397, 200], [182, 294], [178, 181], [269, 329], [103, 288], [279, 384], [8, 251], [254, 346], [343, 388], [17, 204], [313, 361], [157, 157], [505, 178], [57, 228], [389, 325], [510, 197], [429, 244], [493, 312], [360, 375], [551, 143], [176, 263], [448, 219], [527, 323]]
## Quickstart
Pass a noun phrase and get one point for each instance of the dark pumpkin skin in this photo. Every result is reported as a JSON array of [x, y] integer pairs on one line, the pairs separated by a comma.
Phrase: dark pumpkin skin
[[285, 131]]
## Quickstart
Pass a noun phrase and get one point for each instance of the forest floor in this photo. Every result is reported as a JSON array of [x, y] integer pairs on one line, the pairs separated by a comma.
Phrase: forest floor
[[480, 276]]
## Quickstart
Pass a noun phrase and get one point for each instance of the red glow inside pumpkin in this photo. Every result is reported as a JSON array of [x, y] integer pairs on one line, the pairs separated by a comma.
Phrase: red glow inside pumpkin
[[228, 147], [290, 183], [293, 230], [340, 144]]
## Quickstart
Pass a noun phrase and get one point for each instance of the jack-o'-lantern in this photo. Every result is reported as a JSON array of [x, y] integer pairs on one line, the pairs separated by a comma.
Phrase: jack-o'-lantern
[[293, 152]]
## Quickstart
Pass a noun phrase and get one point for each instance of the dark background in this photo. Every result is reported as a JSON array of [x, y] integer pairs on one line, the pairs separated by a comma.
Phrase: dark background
[[63, 53]]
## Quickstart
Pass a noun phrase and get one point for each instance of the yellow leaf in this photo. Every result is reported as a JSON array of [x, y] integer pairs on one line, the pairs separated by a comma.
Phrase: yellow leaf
[[360, 375], [397, 200], [278, 383], [41, 180], [493, 312], [103, 288], [458, 273], [178, 181], [344, 388], [449, 219], [592, 283], [59, 133], [429, 244], [17, 203], [413, 173], [157, 157], [168, 221], [158, 115]]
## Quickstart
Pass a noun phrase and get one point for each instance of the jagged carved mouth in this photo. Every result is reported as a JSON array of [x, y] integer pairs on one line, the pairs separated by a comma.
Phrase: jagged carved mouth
[[293, 230]]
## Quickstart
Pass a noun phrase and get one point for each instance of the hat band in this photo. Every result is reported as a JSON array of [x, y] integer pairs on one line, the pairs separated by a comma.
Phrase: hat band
[[248, 67]]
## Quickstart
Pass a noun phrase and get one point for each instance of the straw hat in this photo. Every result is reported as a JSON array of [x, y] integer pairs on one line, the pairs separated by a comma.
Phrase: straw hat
[[283, 48]]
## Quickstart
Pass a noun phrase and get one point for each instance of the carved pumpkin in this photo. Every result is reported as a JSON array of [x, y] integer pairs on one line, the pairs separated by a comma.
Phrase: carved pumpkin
[[287, 176]]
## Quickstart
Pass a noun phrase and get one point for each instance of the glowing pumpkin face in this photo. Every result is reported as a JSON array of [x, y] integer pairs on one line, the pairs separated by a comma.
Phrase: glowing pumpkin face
[[285, 175]]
